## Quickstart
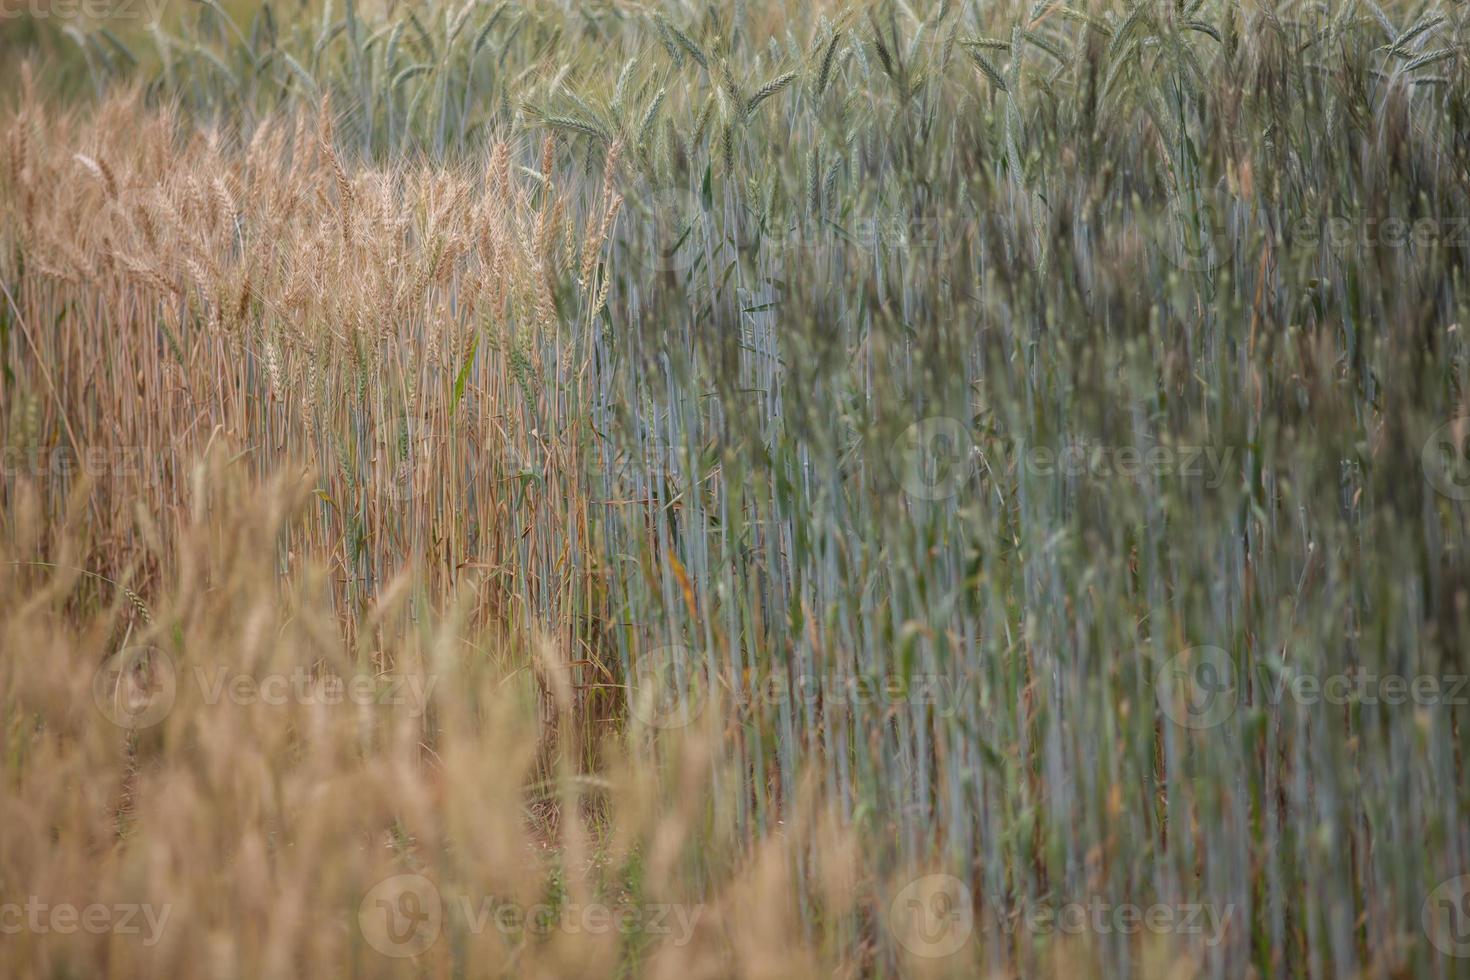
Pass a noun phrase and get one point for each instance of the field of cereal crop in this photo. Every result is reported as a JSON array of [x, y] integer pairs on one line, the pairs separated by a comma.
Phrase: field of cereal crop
[[764, 490]]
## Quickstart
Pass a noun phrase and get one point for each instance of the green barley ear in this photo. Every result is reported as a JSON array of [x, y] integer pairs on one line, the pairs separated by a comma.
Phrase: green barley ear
[[1120, 37], [650, 117], [1083, 17], [1117, 66], [1039, 40], [1432, 58], [620, 89], [824, 74], [885, 58], [731, 87], [727, 146], [813, 189], [572, 124], [666, 38], [484, 33], [860, 54], [1401, 43], [987, 43], [701, 125], [1013, 112], [829, 186], [986, 68], [685, 41], [769, 89], [586, 111], [946, 53]]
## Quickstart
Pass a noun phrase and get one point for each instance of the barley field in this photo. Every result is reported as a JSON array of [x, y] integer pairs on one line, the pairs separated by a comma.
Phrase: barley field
[[649, 488]]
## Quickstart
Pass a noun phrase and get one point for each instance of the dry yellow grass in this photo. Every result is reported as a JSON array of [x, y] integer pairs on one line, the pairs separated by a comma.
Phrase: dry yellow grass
[[275, 783]]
